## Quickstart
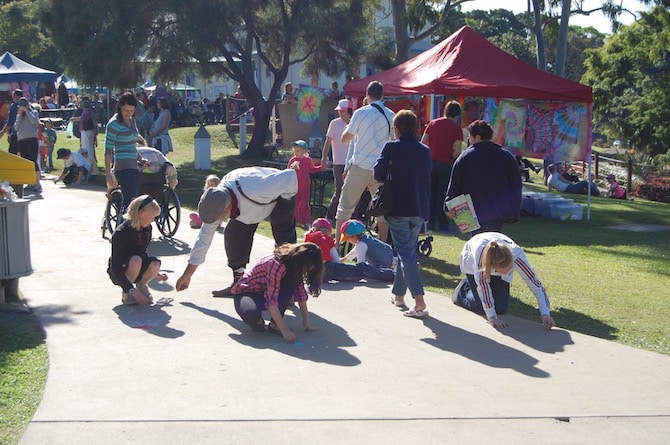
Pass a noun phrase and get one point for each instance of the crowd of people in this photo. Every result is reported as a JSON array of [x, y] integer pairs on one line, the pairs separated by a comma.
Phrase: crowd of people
[[383, 147], [370, 146]]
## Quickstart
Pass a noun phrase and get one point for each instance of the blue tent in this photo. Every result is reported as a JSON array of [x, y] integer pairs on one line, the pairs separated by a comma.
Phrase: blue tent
[[13, 69]]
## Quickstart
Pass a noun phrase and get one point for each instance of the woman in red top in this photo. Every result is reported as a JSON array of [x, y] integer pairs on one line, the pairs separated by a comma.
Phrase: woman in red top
[[274, 282]]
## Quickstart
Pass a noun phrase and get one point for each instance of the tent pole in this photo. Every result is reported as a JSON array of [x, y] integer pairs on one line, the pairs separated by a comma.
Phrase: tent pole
[[588, 198]]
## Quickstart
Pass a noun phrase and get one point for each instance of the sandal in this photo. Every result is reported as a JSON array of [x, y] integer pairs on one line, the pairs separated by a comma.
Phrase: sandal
[[398, 303], [412, 313], [273, 329], [145, 291]]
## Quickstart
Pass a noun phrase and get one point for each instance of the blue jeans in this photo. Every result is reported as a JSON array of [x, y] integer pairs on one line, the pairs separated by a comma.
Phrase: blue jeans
[[129, 181], [405, 234], [354, 272]]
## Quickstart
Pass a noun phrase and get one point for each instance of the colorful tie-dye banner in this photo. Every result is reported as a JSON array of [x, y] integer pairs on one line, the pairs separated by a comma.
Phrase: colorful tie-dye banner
[[309, 104]]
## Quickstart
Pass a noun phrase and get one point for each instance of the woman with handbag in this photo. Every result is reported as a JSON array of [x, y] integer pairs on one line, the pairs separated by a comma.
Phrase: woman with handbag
[[405, 165]]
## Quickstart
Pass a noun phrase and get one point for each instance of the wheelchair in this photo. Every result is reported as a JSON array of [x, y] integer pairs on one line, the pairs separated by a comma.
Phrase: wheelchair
[[157, 186]]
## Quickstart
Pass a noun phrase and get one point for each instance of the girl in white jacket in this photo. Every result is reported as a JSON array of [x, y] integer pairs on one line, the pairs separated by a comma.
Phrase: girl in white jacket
[[488, 260]]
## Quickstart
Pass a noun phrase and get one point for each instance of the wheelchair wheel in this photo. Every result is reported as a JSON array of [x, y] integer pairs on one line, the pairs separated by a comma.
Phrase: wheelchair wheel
[[113, 210], [425, 247], [168, 220]]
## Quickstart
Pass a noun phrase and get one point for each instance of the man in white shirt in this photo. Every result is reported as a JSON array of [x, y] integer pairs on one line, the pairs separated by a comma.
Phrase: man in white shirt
[[244, 198], [370, 128]]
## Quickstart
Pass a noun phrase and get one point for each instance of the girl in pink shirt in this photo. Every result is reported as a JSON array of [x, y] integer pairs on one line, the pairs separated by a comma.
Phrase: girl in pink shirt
[[616, 191], [304, 167]]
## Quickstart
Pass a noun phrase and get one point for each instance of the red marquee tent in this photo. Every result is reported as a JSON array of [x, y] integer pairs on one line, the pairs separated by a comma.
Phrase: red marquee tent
[[466, 64]]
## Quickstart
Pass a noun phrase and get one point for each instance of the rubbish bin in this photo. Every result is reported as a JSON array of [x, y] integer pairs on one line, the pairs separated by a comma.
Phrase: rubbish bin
[[14, 245]]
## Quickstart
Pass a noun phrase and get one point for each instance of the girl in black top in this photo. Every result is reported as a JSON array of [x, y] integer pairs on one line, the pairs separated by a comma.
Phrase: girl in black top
[[129, 263]]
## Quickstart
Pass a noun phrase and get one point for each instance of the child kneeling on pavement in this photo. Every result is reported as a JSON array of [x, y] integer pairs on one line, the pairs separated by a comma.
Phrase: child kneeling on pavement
[[292, 273], [75, 168], [129, 263], [321, 234]]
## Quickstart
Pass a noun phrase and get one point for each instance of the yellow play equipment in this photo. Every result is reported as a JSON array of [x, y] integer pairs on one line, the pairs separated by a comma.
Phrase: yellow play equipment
[[16, 170]]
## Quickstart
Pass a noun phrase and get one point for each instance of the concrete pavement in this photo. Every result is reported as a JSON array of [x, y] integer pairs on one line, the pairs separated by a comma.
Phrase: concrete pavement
[[192, 372]]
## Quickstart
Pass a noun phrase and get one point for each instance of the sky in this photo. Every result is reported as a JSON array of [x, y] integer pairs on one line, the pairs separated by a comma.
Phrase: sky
[[597, 20]]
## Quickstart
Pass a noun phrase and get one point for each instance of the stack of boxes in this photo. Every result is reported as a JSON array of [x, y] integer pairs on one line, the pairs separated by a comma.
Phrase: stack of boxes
[[552, 206]]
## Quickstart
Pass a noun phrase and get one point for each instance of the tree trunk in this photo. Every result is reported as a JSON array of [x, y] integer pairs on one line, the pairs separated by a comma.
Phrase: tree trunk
[[562, 42], [262, 113], [539, 36], [402, 40]]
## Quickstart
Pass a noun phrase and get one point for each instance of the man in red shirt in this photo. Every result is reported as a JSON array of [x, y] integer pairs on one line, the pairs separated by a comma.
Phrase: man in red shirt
[[444, 136]]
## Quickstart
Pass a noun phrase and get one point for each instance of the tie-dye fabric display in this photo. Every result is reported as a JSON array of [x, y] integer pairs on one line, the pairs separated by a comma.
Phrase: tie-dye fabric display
[[309, 104], [514, 116], [570, 136], [539, 131]]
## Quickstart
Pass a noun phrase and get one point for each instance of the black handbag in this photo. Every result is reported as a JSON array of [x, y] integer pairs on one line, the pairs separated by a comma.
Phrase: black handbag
[[382, 202]]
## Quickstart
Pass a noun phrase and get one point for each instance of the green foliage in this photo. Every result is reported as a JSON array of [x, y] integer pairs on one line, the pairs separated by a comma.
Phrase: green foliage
[[229, 38], [630, 77], [20, 31], [579, 41], [96, 48]]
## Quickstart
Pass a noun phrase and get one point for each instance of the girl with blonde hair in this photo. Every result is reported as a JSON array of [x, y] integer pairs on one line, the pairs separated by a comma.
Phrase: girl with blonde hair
[[488, 261], [129, 264]]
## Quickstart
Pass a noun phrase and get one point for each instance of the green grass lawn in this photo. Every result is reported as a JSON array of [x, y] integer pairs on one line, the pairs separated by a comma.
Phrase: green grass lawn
[[612, 284]]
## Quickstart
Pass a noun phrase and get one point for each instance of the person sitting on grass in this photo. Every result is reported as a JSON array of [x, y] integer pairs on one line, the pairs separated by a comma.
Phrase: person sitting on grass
[[274, 282], [615, 190], [557, 181], [129, 263], [75, 167], [488, 261], [321, 234]]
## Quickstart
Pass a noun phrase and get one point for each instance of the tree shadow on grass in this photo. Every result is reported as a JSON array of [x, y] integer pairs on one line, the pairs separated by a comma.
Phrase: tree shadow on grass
[[322, 346]]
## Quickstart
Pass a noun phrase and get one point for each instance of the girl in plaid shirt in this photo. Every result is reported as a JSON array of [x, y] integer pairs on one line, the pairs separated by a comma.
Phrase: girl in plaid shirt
[[274, 282]]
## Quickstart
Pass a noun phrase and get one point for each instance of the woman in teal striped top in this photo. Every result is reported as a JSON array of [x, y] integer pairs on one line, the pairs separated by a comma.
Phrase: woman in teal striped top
[[120, 146]]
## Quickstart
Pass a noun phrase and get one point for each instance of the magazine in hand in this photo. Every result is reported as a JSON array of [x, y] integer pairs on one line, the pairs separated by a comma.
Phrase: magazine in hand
[[465, 216]]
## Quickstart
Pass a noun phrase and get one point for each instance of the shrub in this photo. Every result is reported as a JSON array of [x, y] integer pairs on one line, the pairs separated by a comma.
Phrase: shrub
[[657, 188]]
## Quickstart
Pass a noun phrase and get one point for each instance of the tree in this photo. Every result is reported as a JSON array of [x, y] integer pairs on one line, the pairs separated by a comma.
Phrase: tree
[[630, 77], [21, 34], [225, 37], [415, 20]]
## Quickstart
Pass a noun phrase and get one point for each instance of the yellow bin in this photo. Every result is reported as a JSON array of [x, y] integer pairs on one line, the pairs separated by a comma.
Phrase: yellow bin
[[16, 170]]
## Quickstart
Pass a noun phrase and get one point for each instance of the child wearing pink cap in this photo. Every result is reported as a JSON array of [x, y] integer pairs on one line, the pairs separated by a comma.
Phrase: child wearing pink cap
[[615, 191], [321, 234]]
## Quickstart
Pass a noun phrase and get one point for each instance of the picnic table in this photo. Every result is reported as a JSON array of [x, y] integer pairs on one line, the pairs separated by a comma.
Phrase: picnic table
[[64, 114]]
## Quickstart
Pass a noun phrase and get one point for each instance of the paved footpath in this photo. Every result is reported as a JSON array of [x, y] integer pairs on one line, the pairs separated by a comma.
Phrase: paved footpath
[[193, 373]]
